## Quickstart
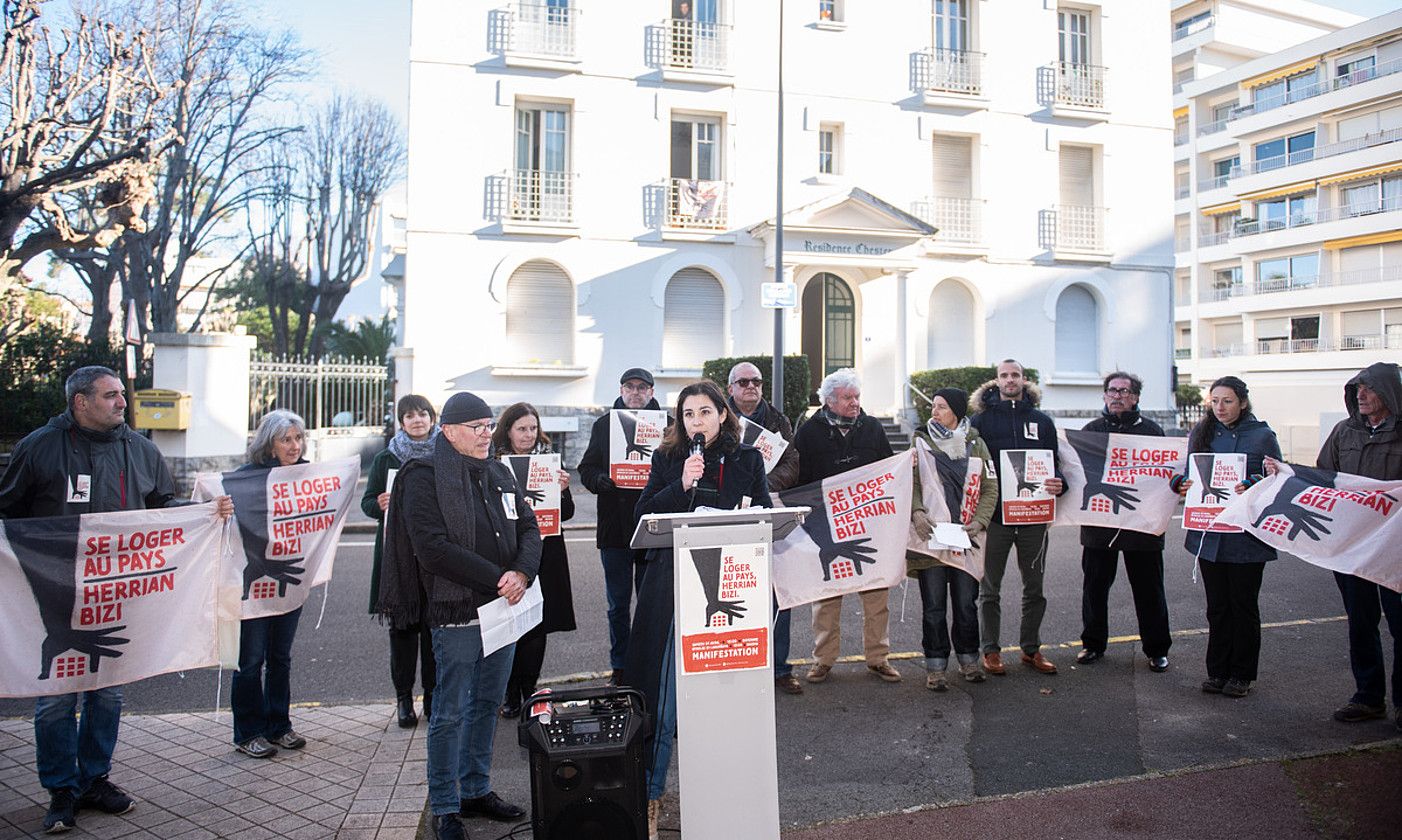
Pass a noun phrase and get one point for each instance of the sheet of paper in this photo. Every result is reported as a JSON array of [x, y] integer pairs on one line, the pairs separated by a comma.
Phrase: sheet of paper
[[503, 623], [950, 535]]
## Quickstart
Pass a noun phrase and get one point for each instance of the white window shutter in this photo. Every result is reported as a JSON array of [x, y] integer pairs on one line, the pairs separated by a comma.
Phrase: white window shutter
[[539, 315], [1077, 332], [1366, 322], [693, 319], [953, 165], [1078, 176]]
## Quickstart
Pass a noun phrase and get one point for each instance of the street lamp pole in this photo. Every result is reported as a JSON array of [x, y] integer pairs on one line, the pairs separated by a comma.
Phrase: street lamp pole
[[776, 393]]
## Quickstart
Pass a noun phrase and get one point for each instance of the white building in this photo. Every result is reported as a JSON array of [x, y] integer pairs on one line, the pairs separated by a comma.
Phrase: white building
[[1289, 175], [591, 186]]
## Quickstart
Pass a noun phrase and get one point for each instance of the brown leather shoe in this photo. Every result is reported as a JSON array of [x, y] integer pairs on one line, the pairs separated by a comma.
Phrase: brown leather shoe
[[885, 672], [818, 672], [1040, 662], [993, 664], [788, 684]]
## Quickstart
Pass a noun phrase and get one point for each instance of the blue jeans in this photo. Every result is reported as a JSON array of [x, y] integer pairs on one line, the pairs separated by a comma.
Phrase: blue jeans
[[260, 705], [622, 579], [938, 586], [1366, 603], [69, 754], [464, 722], [783, 623], [664, 732]]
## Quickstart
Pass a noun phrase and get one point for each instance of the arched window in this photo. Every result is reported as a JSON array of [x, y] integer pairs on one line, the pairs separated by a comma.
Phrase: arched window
[[1077, 332], [693, 319], [952, 322], [539, 315]]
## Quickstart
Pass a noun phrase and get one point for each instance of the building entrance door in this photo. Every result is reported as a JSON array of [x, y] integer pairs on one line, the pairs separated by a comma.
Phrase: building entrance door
[[829, 314]]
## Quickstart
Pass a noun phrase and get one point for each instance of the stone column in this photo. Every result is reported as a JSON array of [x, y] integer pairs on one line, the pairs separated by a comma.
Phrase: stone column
[[213, 369]]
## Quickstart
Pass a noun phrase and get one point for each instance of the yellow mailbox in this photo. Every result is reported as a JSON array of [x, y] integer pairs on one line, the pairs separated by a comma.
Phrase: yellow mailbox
[[157, 408]]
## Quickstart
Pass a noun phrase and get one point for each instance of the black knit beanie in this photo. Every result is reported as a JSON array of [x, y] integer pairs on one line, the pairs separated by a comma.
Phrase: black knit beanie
[[958, 401], [464, 407]]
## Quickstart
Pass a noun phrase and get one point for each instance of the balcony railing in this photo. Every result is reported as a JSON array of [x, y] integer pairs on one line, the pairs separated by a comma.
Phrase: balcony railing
[[1181, 191], [542, 29], [950, 71], [957, 219], [534, 195], [1180, 138], [697, 205], [1251, 227], [695, 45], [1080, 85], [1275, 346], [1213, 183], [1212, 127], [1319, 88], [1207, 239], [1370, 342], [1276, 285], [1343, 147], [1270, 346], [1192, 27], [1080, 227]]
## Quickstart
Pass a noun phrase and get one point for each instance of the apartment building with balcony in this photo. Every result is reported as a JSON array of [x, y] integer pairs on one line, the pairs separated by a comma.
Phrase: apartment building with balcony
[[591, 186], [1290, 232]]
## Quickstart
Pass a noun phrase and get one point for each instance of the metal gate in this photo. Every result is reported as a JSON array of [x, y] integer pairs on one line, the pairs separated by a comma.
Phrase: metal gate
[[327, 393]]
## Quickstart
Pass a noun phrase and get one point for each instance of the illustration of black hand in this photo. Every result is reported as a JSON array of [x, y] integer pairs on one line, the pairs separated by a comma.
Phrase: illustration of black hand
[[1120, 497], [854, 550], [534, 497], [285, 572], [1217, 495], [94, 644], [1301, 519], [708, 564], [521, 468], [730, 609], [629, 423]]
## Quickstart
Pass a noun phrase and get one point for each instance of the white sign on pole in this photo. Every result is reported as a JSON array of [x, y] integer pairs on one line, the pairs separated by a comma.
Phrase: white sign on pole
[[778, 295]]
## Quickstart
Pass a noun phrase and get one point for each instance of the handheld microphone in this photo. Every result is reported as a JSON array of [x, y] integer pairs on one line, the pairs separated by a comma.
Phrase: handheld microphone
[[698, 443]]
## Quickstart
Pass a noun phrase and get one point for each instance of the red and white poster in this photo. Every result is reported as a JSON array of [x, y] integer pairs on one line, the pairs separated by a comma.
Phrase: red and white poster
[[854, 539], [723, 608], [105, 599], [1214, 478], [770, 444], [1119, 481], [1021, 487], [289, 521], [943, 481], [634, 434], [538, 480]]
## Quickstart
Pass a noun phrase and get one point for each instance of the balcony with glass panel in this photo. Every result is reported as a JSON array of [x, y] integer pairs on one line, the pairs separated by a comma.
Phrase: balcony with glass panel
[[959, 221], [1309, 85]]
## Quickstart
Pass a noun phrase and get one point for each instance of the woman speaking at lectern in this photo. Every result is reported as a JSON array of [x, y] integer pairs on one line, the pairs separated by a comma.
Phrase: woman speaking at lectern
[[701, 463]]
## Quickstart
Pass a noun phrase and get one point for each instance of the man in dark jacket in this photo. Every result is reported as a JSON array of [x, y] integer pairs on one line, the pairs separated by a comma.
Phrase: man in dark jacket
[[85, 460], [841, 437], [1007, 418], [747, 399], [475, 539], [1101, 547], [1368, 443], [613, 534]]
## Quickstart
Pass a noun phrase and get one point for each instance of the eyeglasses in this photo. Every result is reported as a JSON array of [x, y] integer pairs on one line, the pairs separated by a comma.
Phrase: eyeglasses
[[479, 428], [747, 382], [641, 386], [1119, 392]]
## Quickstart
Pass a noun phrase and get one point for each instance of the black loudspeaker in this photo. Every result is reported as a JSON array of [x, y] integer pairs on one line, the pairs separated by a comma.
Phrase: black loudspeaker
[[586, 754]]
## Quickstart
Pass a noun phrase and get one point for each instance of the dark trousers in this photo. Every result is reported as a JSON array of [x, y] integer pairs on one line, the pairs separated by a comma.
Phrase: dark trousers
[[1366, 603], [1233, 618], [1145, 572], [526, 665], [260, 703], [944, 586], [408, 648], [1031, 544], [622, 579]]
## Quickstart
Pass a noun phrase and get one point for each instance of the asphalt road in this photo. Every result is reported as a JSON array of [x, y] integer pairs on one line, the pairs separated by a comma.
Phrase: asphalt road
[[856, 745]]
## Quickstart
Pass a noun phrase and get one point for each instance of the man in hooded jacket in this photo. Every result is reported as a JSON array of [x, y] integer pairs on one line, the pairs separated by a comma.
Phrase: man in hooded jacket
[[1367, 443], [623, 567]]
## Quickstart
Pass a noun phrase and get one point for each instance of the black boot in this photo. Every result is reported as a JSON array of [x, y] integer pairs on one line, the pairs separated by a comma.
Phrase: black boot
[[407, 718], [428, 706], [511, 706]]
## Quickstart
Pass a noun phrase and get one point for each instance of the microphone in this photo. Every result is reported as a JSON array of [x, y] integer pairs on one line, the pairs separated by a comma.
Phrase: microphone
[[698, 443]]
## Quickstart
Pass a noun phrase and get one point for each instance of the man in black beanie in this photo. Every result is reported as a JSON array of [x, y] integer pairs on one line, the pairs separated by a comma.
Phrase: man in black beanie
[[460, 514]]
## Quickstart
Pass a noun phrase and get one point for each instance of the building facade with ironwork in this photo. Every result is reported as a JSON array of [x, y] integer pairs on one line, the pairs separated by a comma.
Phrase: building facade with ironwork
[[591, 186], [1289, 223]]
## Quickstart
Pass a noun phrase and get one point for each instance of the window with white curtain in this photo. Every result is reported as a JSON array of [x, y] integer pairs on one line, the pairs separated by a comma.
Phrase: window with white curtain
[[539, 315], [693, 319], [1077, 331]]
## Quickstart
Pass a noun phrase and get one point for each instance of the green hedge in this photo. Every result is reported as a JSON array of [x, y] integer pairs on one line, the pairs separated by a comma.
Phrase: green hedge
[[964, 378], [795, 378], [33, 367]]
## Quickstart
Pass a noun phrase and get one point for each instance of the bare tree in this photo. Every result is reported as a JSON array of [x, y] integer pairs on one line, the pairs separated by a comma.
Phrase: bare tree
[[76, 113]]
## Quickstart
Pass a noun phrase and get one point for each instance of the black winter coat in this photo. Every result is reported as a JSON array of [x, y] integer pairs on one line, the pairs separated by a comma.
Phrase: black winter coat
[[1353, 446], [1126, 423], [652, 619], [1013, 424], [785, 473], [1256, 439], [824, 451], [614, 528]]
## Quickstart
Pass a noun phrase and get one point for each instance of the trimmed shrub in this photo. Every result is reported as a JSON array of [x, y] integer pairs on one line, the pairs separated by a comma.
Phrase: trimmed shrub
[[795, 378], [964, 378], [1188, 394]]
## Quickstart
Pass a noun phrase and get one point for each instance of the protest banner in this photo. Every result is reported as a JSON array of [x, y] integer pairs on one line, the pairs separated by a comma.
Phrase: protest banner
[[949, 484], [1024, 499], [770, 444], [723, 611], [289, 520], [137, 589], [633, 435], [1119, 481], [538, 480], [1215, 477], [1337, 521], [854, 538]]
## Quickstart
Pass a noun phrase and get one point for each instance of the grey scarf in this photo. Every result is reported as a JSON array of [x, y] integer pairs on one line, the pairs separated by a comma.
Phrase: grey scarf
[[838, 420], [405, 448], [952, 442]]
